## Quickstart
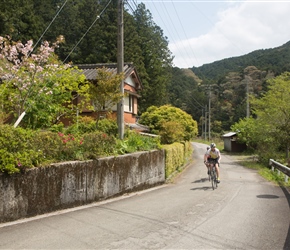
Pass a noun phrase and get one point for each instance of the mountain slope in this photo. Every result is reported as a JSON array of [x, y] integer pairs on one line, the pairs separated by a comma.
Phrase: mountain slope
[[275, 59]]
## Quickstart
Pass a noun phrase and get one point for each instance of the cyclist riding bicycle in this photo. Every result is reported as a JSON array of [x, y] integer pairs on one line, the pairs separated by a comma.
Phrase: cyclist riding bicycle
[[213, 155], [206, 163]]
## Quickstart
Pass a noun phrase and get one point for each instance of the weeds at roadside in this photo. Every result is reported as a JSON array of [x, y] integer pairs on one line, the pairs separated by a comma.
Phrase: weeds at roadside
[[266, 172]]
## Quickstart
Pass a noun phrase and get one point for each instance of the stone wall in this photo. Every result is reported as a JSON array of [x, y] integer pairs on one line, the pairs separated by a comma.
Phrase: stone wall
[[64, 185]]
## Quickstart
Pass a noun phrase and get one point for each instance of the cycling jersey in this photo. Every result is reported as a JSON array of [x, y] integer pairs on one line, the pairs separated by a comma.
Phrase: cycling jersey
[[213, 154]]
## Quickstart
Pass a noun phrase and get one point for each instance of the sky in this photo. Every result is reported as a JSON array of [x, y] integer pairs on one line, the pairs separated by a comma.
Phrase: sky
[[201, 32]]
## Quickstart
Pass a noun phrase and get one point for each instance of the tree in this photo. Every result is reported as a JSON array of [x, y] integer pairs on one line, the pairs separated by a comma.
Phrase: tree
[[247, 130], [273, 112], [38, 84], [106, 92], [157, 59], [170, 122], [269, 132]]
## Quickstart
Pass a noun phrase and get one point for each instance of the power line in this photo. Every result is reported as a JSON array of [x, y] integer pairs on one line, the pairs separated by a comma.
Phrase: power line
[[98, 16], [48, 26]]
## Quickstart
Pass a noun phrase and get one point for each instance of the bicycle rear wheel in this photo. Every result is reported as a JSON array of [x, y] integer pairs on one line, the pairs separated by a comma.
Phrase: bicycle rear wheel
[[212, 176]]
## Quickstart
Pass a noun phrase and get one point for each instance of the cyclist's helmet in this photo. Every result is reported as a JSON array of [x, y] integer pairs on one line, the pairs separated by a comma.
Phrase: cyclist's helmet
[[212, 145], [208, 147]]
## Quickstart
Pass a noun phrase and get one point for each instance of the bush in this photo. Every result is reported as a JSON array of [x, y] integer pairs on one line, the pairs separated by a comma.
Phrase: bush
[[161, 121], [98, 144], [176, 155], [108, 126], [17, 151], [134, 141], [84, 124], [22, 148], [171, 132]]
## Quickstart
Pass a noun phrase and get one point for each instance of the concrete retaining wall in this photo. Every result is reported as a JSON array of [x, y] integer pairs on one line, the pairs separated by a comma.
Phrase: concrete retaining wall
[[69, 184]]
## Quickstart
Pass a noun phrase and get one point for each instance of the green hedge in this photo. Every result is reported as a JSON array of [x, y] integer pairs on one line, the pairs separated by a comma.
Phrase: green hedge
[[176, 156]]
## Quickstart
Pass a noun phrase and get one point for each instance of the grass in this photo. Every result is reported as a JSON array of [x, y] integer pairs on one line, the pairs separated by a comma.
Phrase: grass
[[266, 172], [218, 141]]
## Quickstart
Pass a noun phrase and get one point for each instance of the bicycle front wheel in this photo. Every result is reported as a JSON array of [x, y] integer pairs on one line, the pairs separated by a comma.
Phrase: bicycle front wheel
[[213, 180]]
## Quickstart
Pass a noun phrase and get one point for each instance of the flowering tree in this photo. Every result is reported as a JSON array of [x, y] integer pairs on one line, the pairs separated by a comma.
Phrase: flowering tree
[[37, 84]]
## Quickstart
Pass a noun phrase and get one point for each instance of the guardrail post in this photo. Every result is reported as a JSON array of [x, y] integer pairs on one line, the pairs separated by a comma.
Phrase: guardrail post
[[280, 168], [272, 166]]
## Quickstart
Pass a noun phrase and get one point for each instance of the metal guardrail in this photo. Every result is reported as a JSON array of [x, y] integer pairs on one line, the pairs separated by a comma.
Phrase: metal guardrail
[[280, 168]]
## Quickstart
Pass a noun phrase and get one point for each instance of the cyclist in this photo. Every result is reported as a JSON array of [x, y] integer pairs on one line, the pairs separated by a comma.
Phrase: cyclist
[[205, 162], [213, 155]]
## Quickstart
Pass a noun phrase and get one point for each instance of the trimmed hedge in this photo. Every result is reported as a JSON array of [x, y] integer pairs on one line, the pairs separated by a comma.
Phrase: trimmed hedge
[[176, 156]]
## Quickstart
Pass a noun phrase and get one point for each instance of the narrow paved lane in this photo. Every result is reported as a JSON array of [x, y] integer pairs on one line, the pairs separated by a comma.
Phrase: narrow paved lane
[[245, 212]]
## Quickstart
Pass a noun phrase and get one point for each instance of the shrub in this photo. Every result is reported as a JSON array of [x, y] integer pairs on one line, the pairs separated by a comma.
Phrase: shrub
[[108, 126], [98, 144], [23, 148], [134, 141], [171, 132], [17, 152], [85, 124], [159, 118], [49, 144]]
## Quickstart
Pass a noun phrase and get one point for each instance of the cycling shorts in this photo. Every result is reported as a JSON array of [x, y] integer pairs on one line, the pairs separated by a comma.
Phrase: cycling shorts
[[211, 160]]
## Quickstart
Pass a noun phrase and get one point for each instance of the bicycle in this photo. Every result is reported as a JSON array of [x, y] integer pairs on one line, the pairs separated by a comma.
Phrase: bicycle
[[212, 174]]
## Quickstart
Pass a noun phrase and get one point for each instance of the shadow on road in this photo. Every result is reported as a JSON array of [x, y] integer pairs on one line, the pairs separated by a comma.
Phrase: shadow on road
[[202, 188], [201, 180], [287, 241]]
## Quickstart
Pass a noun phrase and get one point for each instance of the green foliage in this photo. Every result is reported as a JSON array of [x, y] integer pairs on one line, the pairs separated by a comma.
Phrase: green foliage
[[176, 156], [82, 124], [164, 118], [108, 126], [98, 144], [171, 131], [266, 172], [38, 84], [247, 130], [269, 133], [86, 124], [16, 149], [134, 141], [276, 60], [49, 144], [57, 127], [106, 93]]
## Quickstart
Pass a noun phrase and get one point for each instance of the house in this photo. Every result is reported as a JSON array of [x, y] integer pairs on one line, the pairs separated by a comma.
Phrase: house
[[132, 85], [231, 144]]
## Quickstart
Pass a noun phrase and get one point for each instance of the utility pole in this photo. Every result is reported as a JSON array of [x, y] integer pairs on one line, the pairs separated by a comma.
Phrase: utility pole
[[209, 137], [120, 68], [205, 120], [248, 102], [202, 124]]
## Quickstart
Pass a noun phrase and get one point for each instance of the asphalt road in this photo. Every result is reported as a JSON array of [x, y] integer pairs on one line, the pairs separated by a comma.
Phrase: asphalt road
[[245, 212]]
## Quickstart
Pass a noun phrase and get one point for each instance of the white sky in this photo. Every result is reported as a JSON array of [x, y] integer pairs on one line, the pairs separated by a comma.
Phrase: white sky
[[201, 32]]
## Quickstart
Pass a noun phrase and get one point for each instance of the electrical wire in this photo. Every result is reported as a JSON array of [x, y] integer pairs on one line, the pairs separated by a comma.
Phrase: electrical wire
[[98, 17], [184, 31], [48, 26]]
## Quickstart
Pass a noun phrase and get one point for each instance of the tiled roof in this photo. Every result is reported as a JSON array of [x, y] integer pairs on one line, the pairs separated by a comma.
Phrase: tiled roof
[[90, 70]]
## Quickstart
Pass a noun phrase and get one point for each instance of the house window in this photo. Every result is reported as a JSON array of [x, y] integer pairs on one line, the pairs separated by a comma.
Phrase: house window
[[130, 102]]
